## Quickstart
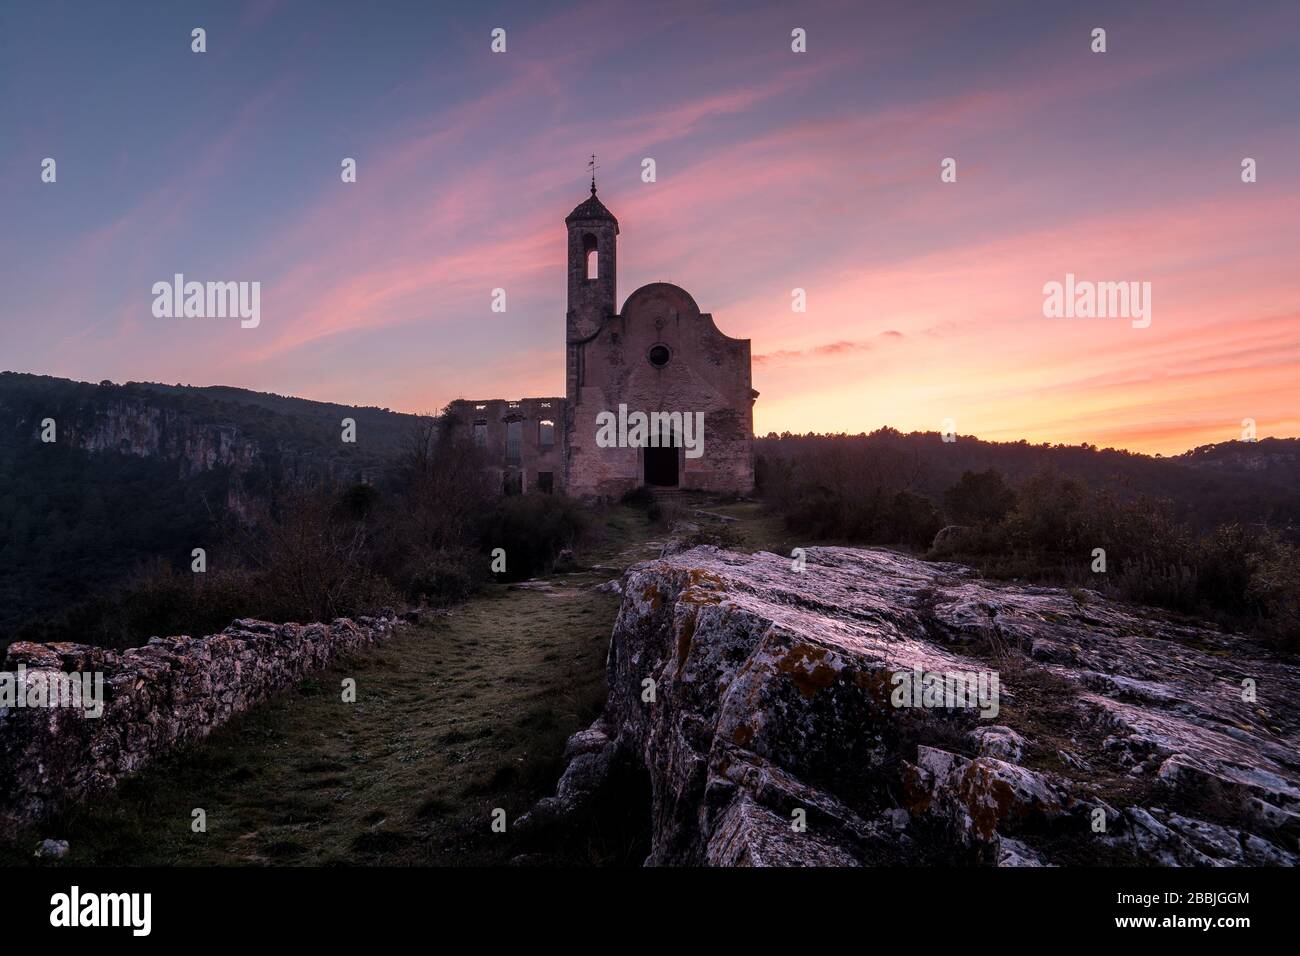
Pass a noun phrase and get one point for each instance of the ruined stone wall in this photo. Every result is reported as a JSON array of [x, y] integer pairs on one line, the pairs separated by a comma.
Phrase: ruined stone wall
[[171, 691], [493, 416], [707, 372]]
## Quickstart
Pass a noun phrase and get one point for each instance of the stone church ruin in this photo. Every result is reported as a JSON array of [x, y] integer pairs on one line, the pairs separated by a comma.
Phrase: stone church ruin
[[659, 359]]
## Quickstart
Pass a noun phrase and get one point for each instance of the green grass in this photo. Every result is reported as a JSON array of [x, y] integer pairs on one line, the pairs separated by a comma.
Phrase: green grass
[[452, 719]]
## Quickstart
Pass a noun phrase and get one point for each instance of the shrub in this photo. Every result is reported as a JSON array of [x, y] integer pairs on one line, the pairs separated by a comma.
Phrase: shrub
[[315, 561], [1275, 586], [533, 529], [155, 601], [639, 497], [979, 498], [913, 520], [1048, 517], [440, 577], [720, 535]]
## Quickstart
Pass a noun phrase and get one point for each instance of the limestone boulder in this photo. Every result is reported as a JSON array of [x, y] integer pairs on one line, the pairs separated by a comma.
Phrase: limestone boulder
[[762, 703]]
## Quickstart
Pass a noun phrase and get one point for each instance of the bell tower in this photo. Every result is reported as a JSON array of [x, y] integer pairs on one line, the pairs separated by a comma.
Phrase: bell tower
[[593, 290]]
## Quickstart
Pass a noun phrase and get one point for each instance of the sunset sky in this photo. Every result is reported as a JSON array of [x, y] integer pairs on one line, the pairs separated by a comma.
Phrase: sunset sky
[[776, 170]]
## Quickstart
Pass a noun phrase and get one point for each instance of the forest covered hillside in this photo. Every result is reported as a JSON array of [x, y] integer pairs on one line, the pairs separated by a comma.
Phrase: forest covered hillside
[[142, 473], [1232, 481]]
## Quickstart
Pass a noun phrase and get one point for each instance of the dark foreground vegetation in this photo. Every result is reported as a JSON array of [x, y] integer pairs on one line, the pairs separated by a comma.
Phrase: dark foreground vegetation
[[423, 534], [1049, 526]]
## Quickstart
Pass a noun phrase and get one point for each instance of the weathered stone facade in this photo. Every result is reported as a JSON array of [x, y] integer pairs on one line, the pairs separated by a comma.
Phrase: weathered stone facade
[[523, 440], [660, 354]]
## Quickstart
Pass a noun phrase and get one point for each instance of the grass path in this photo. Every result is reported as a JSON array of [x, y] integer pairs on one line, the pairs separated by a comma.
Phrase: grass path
[[452, 719]]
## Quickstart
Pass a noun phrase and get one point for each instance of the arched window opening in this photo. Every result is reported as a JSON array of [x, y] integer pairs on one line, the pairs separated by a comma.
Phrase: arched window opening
[[592, 259]]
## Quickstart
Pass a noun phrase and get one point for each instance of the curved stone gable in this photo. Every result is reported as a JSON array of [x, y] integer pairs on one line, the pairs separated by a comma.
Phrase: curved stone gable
[[660, 296]]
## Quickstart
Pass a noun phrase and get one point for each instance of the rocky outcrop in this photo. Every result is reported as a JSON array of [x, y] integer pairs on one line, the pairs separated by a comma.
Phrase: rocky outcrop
[[947, 538], [150, 431], [169, 692], [258, 440], [764, 705]]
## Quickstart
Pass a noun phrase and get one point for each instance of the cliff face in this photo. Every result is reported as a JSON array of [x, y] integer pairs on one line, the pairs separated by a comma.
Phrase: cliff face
[[1275, 457], [763, 706], [137, 428], [146, 428], [203, 429], [125, 420]]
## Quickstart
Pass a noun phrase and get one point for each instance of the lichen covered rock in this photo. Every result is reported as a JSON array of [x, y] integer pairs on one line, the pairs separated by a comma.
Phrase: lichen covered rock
[[761, 702]]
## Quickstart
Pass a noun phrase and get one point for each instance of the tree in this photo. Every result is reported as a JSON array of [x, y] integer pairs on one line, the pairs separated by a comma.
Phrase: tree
[[979, 498]]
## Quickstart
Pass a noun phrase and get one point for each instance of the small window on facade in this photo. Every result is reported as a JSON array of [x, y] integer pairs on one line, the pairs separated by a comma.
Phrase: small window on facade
[[480, 434], [545, 482], [514, 438], [545, 433], [513, 484], [479, 408], [589, 254], [659, 355]]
